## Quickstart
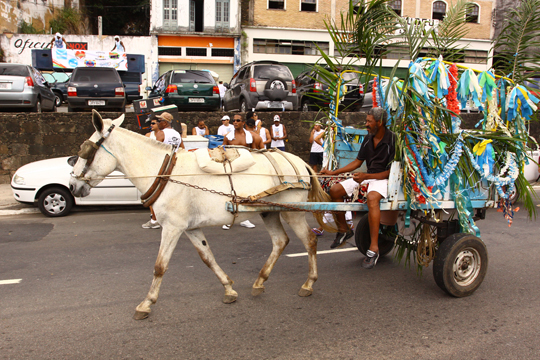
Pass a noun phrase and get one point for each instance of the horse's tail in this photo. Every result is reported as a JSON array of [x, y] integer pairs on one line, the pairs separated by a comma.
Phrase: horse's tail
[[317, 194]]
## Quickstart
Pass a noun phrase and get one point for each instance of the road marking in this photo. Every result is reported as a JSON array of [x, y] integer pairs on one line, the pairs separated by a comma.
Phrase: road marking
[[11, 281], [18, 212], [323, 252]]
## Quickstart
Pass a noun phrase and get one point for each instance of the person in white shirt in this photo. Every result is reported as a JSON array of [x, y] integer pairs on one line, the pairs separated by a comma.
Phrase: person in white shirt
[[279, 134], [225, 127], [222, 90], [316, 154], [118, 45], [200, 129], [156, 133]]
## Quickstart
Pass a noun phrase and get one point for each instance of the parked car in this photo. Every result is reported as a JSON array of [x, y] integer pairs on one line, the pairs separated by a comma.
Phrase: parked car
[[132, 85], [261, 85], [313, 91], [23, 87], [45, 183], [187, 89], [59, 84], [96, 88]]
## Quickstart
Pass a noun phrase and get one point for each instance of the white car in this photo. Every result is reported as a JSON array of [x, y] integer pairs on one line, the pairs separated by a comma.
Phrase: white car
[[46, 183]]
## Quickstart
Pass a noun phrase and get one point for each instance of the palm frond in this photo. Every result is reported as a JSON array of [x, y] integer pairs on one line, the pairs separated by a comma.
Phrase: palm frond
[[450, 30]]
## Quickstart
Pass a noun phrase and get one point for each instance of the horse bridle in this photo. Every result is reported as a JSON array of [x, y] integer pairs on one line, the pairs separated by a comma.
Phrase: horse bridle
[[88, 152]]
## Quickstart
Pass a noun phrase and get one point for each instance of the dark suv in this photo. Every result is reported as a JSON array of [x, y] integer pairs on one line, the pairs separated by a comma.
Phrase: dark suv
[[312, 90], [96, 88], [261, 85]]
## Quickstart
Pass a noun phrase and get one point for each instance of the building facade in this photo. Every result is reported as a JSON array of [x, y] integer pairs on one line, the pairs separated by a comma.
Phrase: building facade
[[287, 30], [197, 34]]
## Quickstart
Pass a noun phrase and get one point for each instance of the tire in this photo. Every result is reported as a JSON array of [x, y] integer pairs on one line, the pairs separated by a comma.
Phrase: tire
[[363, 239], [58, 99], [243, 105], [460, 264], [55, 202], [37, 106]]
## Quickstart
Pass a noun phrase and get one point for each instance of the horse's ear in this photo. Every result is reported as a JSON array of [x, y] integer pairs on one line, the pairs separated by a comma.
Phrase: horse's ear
[[119, 121], [97, 121]]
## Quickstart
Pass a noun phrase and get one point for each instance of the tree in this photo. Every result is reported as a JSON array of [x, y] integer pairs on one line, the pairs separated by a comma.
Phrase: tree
[[120, 17]]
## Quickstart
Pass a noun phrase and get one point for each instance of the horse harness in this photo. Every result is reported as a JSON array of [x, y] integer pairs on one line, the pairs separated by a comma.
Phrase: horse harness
[[88, 152]]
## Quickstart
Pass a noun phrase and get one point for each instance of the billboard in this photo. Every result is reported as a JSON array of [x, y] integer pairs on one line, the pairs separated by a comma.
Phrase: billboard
[[70, 59]]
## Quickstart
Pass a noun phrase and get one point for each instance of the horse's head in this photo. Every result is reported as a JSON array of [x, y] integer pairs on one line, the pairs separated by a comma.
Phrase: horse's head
[[95, 160]]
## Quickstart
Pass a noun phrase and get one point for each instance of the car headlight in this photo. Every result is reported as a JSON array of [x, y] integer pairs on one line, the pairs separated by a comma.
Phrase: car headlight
[[19, 180]]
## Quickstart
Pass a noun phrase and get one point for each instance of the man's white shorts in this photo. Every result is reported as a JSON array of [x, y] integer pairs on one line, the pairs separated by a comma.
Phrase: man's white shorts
[[380, 186]]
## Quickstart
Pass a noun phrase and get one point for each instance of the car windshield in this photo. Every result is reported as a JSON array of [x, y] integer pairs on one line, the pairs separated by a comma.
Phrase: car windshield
[[268, 72], [94, 75], [13, 70], [60, 76], [199, 77], [49, 78]]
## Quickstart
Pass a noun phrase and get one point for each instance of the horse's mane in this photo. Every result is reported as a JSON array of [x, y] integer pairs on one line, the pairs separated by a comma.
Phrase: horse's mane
[[140, 137]]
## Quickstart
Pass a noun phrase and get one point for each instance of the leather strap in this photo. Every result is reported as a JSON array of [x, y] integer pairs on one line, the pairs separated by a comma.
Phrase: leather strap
[[152, 188]]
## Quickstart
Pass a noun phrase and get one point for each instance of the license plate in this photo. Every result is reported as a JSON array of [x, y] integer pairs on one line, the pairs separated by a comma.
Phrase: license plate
[[196, 100], [96, 102], [5, 85]]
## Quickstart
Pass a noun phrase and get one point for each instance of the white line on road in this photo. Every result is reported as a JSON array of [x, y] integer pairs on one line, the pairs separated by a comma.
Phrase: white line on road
[[18, 212], [11, 281], [323, 252]]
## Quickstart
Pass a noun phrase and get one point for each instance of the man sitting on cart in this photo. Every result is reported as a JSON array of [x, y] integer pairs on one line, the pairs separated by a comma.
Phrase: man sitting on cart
[[378, 150]]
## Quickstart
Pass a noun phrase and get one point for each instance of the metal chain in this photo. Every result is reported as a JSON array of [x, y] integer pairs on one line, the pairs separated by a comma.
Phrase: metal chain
[[243, 199]]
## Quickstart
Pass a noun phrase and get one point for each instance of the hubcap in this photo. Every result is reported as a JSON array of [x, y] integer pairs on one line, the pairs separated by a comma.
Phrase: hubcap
[[54, 203], [467, 266]]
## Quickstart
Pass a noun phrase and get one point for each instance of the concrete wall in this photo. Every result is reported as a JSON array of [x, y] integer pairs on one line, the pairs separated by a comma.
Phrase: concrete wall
[[25, 138]]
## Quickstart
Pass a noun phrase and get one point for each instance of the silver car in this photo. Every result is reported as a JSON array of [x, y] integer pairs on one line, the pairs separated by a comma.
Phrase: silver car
[[23, 87]]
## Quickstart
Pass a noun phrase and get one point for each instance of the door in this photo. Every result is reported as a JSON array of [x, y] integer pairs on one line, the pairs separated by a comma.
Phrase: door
[[196, 15], [170, 14], [46, 94]]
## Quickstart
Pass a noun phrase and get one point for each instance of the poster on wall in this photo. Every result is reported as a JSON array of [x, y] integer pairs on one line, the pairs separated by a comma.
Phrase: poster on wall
[[70, 59]]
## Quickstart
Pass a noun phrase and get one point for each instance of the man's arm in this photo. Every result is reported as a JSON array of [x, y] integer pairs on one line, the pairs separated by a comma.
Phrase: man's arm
[[193, 131], [311, 136], [318, 139], [160, 136], [225, 140], [114, 47], [284, 133], [359, 177], [355, 164], [207, 132], [268, 137]]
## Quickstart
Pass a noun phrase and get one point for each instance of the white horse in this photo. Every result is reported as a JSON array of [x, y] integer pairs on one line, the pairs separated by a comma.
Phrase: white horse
[[181, 209]]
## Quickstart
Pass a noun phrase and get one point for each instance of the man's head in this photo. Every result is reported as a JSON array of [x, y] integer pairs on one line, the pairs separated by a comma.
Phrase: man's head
[[238, 122], [250, 124], [58, 35], [317, 126], [376, 118], [277, 120], [154, 124], [165, 120], [116, 38], [221, 82], [249, 114], [225, 120], [200, 124]]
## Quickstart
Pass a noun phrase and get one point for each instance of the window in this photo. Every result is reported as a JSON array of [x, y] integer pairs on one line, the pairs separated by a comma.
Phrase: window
[[195, 51], [196, 15], [472, 14], [276, 4], [170, 13], [396, 6], [439, 10], [223, 52], [169, 51], [475, 56], [308, 5], [222, 15], [294, 47]]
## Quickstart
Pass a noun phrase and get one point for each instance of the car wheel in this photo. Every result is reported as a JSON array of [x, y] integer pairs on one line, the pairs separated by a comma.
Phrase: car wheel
[[243, 106], [55, 202], [58, 99], [37, 106]]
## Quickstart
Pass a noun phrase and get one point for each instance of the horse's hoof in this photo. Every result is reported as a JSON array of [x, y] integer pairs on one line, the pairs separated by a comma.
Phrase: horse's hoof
[[305, 292], [229, 299], [140, 315], [257, 291]]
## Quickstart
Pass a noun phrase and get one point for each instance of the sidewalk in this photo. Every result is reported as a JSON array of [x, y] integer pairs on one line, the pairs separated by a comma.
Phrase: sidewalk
[[10, 206]]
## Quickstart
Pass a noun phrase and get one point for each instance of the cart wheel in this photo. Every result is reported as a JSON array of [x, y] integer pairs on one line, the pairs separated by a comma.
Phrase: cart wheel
[[460, 264], [363, 240]]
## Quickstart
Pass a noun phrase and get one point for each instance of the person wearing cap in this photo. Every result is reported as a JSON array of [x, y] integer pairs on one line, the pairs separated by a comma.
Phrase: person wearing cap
[[279, 134], [316, 154], [225, 127], [239, 136], [118, 45], [171, 136], [201, 129], [58, 42]]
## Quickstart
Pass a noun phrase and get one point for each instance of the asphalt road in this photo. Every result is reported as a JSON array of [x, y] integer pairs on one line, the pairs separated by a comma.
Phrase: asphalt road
[[83, 275]]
